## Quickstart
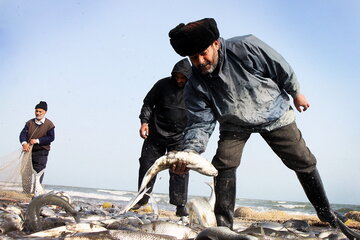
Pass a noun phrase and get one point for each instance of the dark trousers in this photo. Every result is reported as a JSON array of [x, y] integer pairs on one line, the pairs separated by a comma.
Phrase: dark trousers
[[39, 160], [152, 149], [286, 142]]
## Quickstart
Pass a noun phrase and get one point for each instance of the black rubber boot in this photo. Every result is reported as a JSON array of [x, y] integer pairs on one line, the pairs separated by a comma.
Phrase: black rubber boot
[[314, 190], [181, 211], [225, 192]]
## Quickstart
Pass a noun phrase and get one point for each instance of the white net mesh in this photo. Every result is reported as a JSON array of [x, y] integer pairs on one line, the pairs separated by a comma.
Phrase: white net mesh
[[16, 172]]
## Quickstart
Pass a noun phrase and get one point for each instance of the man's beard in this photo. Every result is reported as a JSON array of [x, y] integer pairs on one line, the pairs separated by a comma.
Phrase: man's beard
[[39, 117], [181, 85], [209, 67]]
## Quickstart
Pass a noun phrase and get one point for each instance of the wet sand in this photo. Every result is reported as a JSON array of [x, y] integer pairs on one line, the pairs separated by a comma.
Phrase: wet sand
[[14, 196]]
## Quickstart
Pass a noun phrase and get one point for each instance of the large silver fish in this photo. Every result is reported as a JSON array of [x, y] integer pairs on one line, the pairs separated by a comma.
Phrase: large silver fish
[[201, 210], [222, 233], [33, 221], [169, 228], [10, 222], [120, 235], [68, 229], [192, 160]]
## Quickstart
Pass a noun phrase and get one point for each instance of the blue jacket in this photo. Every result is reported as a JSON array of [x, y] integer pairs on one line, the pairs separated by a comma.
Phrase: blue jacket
[[248, 91]]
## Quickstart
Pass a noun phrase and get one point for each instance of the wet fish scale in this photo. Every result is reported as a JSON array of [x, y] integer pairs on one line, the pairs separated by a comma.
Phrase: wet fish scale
[[119, 234], [10, 222], [169, 228]]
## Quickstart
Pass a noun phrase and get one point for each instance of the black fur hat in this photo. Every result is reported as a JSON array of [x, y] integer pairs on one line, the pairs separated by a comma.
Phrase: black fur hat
[[194, 37], [42, 105]]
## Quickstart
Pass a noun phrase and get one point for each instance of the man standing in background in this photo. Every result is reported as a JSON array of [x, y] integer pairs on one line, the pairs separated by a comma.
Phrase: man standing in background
[[163, 120], [38, 132]]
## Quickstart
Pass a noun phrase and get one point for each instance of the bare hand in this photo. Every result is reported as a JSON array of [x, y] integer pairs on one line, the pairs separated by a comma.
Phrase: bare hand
[[144, 130], [301, 103], [179, 168], [33, 141], [26, 147]]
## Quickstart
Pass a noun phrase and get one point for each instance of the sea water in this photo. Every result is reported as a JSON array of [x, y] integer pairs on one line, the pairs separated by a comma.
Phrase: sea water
[[121, 198]]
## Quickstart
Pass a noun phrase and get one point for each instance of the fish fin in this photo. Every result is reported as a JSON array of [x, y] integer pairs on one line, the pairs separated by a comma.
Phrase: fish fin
[[154, 204], [212, 197], [262, 231], [38, 189], [132, 202]]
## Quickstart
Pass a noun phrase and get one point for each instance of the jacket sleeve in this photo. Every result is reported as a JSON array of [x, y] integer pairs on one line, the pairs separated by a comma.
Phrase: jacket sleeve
[[149, 104], [48, 138], [23, 134], [272, 65], [201, 120]]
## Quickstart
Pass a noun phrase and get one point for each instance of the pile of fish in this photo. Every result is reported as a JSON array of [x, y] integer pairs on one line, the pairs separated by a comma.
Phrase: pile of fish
[[54, 216]]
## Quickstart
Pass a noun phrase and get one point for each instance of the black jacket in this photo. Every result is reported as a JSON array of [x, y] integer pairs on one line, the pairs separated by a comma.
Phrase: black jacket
[[164, 107]]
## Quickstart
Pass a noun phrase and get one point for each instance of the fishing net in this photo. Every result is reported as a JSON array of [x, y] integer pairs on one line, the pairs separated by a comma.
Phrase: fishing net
[[16, 172]]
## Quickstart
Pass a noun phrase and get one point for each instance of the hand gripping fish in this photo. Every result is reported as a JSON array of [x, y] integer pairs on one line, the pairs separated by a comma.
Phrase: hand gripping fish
[[192, 160]]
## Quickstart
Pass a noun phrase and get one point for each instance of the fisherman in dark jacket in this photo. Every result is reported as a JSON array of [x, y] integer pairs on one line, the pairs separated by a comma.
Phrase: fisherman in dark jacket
[[38, 132], [245, 85], [163, 120]]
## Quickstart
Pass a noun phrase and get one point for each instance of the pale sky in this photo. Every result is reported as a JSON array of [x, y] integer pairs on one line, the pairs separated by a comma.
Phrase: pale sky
[[94, 61]]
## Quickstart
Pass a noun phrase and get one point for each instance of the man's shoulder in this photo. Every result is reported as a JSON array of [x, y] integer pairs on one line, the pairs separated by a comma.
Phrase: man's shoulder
[[49, 122], [243, 38], [163, 81], [243, 45], [247, 42], [30, 121]]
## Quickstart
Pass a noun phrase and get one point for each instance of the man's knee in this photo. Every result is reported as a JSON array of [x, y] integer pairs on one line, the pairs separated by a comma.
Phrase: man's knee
[[302, 162]]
